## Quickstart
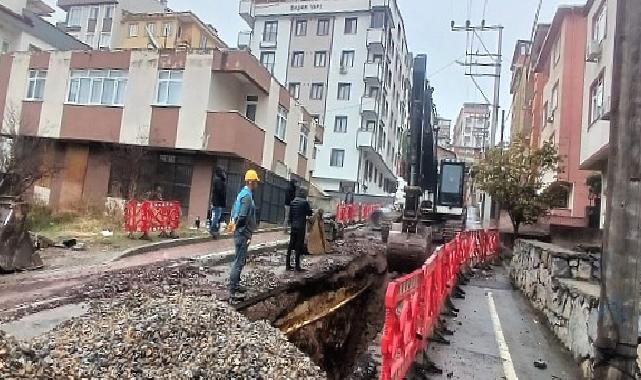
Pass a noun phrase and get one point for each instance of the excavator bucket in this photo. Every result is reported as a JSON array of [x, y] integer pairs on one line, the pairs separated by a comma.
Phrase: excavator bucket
[[16, 247], [408, 251], [316, 242]]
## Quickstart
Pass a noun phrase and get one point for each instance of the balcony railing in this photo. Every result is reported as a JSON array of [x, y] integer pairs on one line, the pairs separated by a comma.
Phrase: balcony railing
[[244, 40], [366, 139], [231, 132], [247, 11], [375, 37], [369, 105], [374, 72]]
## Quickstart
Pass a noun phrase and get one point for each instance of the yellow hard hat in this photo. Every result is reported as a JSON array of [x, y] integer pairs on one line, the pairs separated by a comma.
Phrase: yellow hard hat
[[251, 175]]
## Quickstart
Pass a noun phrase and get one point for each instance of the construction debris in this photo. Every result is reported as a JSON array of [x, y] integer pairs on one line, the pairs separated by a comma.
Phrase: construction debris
[[16, 247]]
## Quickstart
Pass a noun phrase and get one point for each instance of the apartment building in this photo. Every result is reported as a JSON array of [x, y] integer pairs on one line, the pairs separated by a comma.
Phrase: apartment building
[[166, 30], [190, 111], [471, 130], [597, 90], [348, 63], [444, 138], [23, 27], [98, 24], [561, 64]]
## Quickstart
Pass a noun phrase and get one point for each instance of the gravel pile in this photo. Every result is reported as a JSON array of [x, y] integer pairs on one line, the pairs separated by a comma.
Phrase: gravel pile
[[169, 336]]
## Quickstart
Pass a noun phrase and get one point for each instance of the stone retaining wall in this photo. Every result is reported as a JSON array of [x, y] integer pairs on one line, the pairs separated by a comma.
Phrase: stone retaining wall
[[563, 286]]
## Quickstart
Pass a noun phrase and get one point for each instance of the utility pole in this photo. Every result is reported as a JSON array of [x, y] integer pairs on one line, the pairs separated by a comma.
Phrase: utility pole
[[616, 344]]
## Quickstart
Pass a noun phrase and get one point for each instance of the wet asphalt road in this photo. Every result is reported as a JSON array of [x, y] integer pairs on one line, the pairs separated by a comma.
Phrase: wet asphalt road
[[475, 351]]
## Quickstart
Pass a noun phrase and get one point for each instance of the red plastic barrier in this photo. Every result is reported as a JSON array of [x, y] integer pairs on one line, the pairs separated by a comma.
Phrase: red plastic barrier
[[413, 303], [152, 216]]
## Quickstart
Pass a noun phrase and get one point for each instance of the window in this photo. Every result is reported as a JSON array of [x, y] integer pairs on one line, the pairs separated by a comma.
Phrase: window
[[281, 123], [600, 24], [555, 97], [170, 84], [320, 59], [596, 99], [166, 30], [337, 158], [557, 51], [298, 59], [89, 39], [378, 20], [347, 58], [351, 25], [36, 87], [303, 140], [270, 32], [317, 91], [92, 21], [301, 28], [340, 124], [151, 29], [105, 41], [75, 16], [323, 27], [372, 92], [108, 19], [5, 46], [370, 125], [267, 59], [133, 30], [294, 90], [106, 87], [203, 42], [545, 114], [251, 107], [344, 90]]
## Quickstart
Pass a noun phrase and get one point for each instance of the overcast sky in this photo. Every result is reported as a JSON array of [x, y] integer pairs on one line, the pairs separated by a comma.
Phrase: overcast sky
[[427, 24]]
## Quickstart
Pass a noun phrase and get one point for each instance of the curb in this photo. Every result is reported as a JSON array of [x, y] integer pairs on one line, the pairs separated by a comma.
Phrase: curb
[[173, 243], [225, 257]]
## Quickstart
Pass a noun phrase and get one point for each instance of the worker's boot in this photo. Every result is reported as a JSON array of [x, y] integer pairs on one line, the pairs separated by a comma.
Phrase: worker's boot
[[298, 268], [288, 265]]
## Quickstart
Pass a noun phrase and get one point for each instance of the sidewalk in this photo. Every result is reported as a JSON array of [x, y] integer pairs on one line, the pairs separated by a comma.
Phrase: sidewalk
[[19, 288], [497, 335]]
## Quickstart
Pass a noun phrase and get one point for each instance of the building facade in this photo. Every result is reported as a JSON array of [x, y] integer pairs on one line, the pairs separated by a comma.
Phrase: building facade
[[166, 30], [98, 24], [347, 62], [597, 90], [471, 130], [561, 65], [444, 132], [189, 111], [23, 27]]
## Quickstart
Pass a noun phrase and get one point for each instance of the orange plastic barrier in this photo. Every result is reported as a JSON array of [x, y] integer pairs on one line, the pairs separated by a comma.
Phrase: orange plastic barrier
[[414, 302], [152, 216]]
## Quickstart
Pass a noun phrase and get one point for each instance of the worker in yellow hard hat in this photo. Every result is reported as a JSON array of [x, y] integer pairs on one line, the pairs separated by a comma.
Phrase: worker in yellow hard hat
[[244, 217]]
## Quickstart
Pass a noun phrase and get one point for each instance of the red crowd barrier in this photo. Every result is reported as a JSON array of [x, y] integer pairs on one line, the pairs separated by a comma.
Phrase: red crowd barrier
[[152, 216], [414, 302], [354, 213]]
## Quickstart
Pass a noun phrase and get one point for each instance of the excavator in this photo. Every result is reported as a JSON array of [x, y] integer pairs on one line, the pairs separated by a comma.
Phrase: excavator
[[434, 209]]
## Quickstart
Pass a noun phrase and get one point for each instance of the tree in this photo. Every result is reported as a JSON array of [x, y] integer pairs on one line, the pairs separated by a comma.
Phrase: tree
[[514, 178], [22, 158]]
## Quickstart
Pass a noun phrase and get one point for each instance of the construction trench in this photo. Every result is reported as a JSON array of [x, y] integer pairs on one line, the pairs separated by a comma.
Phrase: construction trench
[[334, 313]]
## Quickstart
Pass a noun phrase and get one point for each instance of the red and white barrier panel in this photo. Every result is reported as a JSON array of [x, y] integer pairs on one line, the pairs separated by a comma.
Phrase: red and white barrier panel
[[152, 216]]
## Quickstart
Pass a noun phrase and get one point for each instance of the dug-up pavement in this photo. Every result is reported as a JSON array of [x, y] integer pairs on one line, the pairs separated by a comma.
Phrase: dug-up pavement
[[160, 315]]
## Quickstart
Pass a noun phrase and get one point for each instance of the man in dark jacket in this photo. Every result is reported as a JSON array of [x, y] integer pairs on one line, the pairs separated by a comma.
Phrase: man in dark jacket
[[298, 213], [289, 197], [219, 201]]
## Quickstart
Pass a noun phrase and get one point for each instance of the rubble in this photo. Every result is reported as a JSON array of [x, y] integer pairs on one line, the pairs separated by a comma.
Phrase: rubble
[[169, 336]]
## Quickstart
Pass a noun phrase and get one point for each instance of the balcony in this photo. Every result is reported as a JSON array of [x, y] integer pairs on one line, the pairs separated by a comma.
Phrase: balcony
[[373, 73], [366, 140], [247, 11], [244, 40], [375, 38], [242, 62], [379, 3], [232, 133], [369, 107]]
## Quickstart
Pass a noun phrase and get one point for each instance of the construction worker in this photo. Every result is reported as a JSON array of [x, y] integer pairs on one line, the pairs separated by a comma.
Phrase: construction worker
[[244, 217], [298, 213], [219, 201], [289, 197]]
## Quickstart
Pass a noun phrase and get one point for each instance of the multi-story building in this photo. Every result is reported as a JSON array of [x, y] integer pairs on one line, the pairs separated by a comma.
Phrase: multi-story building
[[597, 90], [539, 79], [444, 127], [23, 27], [521, 88], [166, 30], [348, 63], [97, 23], [562, 64], [471, 130], [188, 112]]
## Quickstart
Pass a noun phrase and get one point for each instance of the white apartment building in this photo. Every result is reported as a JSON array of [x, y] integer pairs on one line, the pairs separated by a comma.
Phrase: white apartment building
[[97, 22], [444, 132], [23, 27], [472, 126], [347, 62], [597, 89]]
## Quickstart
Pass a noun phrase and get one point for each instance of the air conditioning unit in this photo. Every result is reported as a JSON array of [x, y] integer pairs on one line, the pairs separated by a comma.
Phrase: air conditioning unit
[[607, 108], [594, 52], [343, 70]]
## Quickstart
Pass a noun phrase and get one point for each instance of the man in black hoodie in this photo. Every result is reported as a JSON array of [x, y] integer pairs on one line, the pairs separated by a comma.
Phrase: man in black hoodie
[[219, 201], [289, 197], [298, 213]]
